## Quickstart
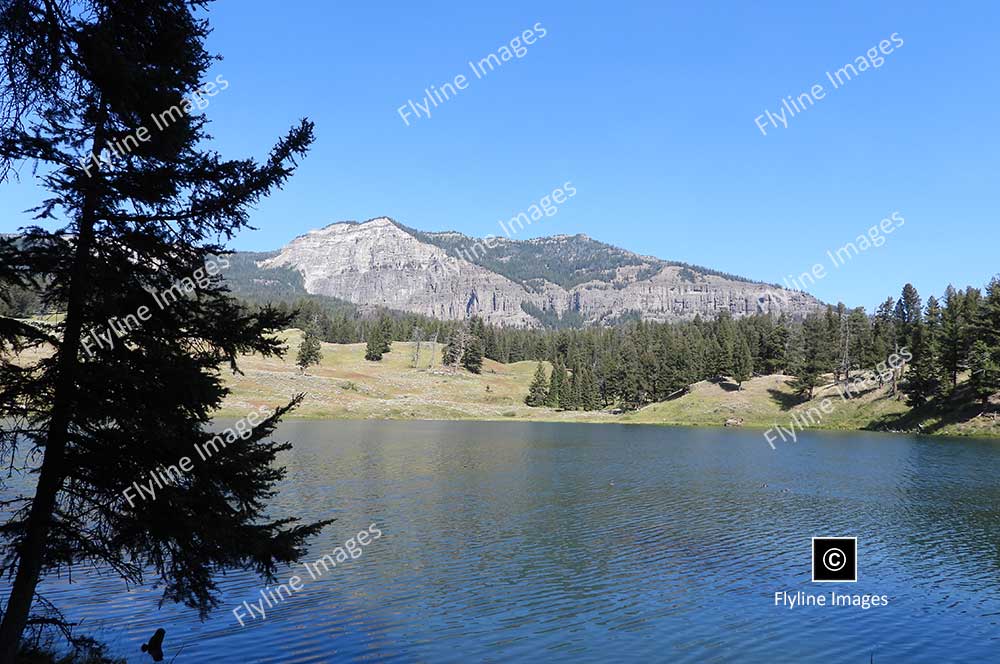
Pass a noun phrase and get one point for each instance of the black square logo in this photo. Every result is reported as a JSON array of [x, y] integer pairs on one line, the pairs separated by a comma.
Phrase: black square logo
[[835, 559]]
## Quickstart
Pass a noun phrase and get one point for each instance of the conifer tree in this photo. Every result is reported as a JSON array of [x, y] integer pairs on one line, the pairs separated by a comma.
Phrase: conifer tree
[[375, 346], [385, 334], [454, 349], [566, 389], [985, 353], [553, 396], [987, 324], [985, 372], [971, 302], [933, 325], [884, 337], [813, 361], [833, 321], [138, 237], [716, 360], [953, 352], [630, 369], [859, 347], [571, 397], [673, 367], [775, 347], [605, 376], [310, 350], [590, 394], [726, 338], [539, 388], [922, 381], [742, 364], [651, 373], [472, 358], [906, 315], [694, 354]]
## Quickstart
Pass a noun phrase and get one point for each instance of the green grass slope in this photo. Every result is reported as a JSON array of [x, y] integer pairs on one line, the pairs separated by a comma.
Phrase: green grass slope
[[346, 386]]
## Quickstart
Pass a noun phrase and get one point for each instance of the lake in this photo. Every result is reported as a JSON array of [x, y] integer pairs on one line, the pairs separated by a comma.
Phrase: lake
[[587, 543]]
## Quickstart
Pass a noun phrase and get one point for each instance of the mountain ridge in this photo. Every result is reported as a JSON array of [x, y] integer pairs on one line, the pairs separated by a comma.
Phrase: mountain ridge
[[525, 283]]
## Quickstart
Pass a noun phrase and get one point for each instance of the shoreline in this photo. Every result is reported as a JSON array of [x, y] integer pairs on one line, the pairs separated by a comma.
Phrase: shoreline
[[345, 386], [226, 414]]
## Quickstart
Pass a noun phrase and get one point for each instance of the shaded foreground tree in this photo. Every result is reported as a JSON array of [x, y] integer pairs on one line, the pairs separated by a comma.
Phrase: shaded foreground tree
[[139, 231]]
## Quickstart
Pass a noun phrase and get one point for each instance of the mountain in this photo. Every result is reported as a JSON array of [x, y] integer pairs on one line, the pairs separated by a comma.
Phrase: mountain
[[560, 280]]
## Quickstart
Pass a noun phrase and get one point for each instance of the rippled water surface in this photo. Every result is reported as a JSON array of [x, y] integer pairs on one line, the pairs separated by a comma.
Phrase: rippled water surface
[[574, 543]]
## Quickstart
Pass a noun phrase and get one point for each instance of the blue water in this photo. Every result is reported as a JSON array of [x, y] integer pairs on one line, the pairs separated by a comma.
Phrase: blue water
[[589, 543]]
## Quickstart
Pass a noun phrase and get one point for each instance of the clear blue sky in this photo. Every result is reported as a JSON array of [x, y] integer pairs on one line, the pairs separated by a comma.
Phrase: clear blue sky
[[648, 108]]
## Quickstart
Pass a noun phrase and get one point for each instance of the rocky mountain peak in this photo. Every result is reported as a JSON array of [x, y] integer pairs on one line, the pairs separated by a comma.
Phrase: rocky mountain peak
[[516, 282]]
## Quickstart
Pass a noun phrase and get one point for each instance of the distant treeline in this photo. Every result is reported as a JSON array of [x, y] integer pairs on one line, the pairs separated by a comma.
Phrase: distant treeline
[[635, 363]]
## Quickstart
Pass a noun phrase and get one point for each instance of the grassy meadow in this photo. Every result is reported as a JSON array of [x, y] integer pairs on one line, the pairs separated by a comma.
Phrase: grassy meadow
[[346, 386]]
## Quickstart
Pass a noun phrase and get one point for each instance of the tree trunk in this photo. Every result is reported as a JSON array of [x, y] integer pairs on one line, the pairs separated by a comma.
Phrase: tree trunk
[[32, 548]]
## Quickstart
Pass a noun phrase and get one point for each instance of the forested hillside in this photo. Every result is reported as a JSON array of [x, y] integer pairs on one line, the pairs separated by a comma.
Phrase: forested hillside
[[921, 350], [948, 349], [565, 260]]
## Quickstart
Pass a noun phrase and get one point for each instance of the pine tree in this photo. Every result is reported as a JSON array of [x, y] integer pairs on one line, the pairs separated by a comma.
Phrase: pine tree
[[674, 367], [984, 356], [375, 346], [953, 352], [906, 315], [985, 372], [491, 346], [972, 300], [814, 360], [606, 373], [933, 326], [630, 369], [552, 397], [650, 372], [833, 321], [136, 238], [476, 327], [472, 358], [858, 344], [566, 389], [539, 388], [922, 381], [987, 324], [694, 354], [775, 347], [742, 363], [717, 361], [570, 398], [726, 338], [591, 396], [385, 334], [884, 337], [454, 349], [310, 350]]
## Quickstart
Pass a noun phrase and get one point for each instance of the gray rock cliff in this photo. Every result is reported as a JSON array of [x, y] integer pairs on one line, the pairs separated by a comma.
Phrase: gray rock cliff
[[450, 276]]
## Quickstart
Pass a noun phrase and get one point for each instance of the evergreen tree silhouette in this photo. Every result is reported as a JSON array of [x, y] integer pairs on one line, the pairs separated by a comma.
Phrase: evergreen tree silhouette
[[140, 241]]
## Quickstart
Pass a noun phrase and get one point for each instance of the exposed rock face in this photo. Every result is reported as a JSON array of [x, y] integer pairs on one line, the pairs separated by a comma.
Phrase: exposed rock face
[[380, 263]]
